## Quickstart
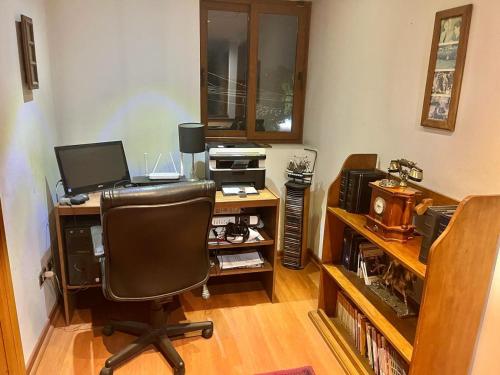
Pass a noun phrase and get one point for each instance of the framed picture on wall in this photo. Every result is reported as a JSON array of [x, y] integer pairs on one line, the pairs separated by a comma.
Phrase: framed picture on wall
[[446, 67]]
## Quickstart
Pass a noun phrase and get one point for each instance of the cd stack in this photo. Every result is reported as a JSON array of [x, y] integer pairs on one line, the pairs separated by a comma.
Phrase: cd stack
[[296, 213]]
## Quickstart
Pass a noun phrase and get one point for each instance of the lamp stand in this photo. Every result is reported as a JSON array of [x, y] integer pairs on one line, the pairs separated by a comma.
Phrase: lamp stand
[[193, 177], [182, 165]]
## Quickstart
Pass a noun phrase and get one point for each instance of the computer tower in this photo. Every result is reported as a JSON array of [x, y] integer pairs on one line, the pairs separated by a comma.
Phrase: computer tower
[[81, 263]]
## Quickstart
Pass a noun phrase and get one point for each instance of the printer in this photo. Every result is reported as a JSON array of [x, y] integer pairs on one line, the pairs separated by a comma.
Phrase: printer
[[236, 164]]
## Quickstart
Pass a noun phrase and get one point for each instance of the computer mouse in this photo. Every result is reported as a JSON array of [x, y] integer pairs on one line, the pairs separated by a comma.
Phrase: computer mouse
[[79, 199]]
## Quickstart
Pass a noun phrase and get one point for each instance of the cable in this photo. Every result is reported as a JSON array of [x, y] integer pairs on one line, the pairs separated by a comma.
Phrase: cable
[[117, 183], [56, 278], [236, 230], [57, 195]]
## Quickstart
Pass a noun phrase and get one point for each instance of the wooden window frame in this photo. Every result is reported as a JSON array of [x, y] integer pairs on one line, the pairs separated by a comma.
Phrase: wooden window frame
[[302, 10]]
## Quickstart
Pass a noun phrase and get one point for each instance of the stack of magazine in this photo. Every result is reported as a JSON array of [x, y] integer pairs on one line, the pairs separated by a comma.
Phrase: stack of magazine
[[249, 259]]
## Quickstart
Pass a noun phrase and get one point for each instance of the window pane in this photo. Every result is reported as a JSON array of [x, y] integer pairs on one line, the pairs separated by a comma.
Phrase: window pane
[[227, 59], [275, 72]]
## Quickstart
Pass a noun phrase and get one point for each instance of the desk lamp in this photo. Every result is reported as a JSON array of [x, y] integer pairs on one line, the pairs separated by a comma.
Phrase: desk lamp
[[191, 141]]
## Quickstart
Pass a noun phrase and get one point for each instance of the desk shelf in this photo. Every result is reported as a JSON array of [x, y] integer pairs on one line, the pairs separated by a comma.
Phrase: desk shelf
[[407, 253], [266, 242], [83, 287], [400, 332], [216, 271], [341, 344]]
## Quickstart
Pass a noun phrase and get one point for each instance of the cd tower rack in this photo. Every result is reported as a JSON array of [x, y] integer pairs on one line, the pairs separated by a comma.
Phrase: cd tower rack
[[296, 224]]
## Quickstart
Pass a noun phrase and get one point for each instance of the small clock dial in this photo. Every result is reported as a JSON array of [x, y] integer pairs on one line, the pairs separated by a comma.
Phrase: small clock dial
[[379, 205]]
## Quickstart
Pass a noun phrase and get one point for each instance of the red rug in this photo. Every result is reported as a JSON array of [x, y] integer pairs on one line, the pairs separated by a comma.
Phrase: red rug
[[308, 370]]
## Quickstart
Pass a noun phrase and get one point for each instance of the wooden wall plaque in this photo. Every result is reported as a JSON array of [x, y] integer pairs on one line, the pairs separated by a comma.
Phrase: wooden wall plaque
[[29, 55]]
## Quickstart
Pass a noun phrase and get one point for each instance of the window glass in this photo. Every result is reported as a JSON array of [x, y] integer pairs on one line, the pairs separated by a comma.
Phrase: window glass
[[227, 63], [275, 72]]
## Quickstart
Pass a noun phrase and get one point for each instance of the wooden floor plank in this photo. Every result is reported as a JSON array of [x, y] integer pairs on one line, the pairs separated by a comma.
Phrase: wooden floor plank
[[251, 334]]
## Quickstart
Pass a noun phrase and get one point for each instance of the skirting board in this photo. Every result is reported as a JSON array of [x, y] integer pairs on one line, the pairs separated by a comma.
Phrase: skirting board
[[313, 257], [43, 340]]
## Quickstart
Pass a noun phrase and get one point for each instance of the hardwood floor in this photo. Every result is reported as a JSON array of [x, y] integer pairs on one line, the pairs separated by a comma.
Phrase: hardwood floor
[[251, 334]]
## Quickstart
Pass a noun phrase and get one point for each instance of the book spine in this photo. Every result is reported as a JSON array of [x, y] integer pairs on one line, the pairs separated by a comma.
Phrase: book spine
[[362, 338], [369, 344], [343, 188], [354, 256], [380, 354], [385, 356], [352, 188], [375, 350], [346, 245]]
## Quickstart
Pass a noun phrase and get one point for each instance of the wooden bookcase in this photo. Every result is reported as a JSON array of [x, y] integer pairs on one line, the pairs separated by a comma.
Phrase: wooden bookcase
[[456, 283]]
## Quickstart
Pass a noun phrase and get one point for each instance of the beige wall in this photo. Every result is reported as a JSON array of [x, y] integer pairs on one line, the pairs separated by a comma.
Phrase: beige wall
[[129, 70], [125, 70], [27, 168], [367, 71]]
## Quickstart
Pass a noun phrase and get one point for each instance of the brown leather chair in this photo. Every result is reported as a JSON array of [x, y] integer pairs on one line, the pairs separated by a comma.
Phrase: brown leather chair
[[155, 247]]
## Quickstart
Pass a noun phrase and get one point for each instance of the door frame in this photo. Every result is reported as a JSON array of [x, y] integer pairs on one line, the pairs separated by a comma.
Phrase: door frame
[[8, 314]]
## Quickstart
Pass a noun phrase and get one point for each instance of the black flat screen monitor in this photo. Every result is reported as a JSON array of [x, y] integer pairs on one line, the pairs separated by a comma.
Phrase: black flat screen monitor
[[91, 167]]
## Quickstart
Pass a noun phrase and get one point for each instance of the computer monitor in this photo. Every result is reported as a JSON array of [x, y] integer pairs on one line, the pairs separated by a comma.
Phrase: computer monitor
[[91, 167]]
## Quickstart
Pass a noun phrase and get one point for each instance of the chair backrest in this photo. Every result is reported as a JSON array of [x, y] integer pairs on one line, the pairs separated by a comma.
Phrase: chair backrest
[[156, 240]]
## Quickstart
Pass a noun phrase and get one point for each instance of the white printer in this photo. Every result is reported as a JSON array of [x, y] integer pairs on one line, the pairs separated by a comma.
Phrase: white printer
[[241, 164]]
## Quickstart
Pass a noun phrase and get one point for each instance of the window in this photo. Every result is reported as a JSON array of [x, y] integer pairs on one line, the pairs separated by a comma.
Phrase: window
[[253, 69]]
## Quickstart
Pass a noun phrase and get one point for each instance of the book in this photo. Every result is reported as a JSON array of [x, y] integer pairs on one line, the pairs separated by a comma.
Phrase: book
[[380, 354], [375, 350], [369, 344], [362, 348], [373, 263], [385, 356], [358, 196], [350, 249], [367, 340], [343, 187]]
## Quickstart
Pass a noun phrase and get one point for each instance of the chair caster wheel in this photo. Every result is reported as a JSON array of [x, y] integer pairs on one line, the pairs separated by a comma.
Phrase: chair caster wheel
[[106, 371], [207, 333], [108, 330]]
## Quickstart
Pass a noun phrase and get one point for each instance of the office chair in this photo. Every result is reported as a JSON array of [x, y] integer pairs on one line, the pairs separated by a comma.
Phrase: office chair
[[155, 247]]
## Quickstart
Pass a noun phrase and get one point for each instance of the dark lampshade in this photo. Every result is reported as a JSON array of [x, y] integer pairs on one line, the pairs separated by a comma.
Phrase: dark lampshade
[[191, 138]]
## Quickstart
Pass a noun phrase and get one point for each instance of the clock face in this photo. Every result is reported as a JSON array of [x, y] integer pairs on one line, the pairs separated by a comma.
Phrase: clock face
[[379, 205]]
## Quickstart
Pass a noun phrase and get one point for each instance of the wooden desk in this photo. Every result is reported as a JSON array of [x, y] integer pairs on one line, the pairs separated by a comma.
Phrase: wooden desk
[[266, 204]]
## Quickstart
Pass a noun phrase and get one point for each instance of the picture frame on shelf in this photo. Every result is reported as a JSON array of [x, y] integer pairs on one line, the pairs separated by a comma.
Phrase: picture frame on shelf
[[446, 67]]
